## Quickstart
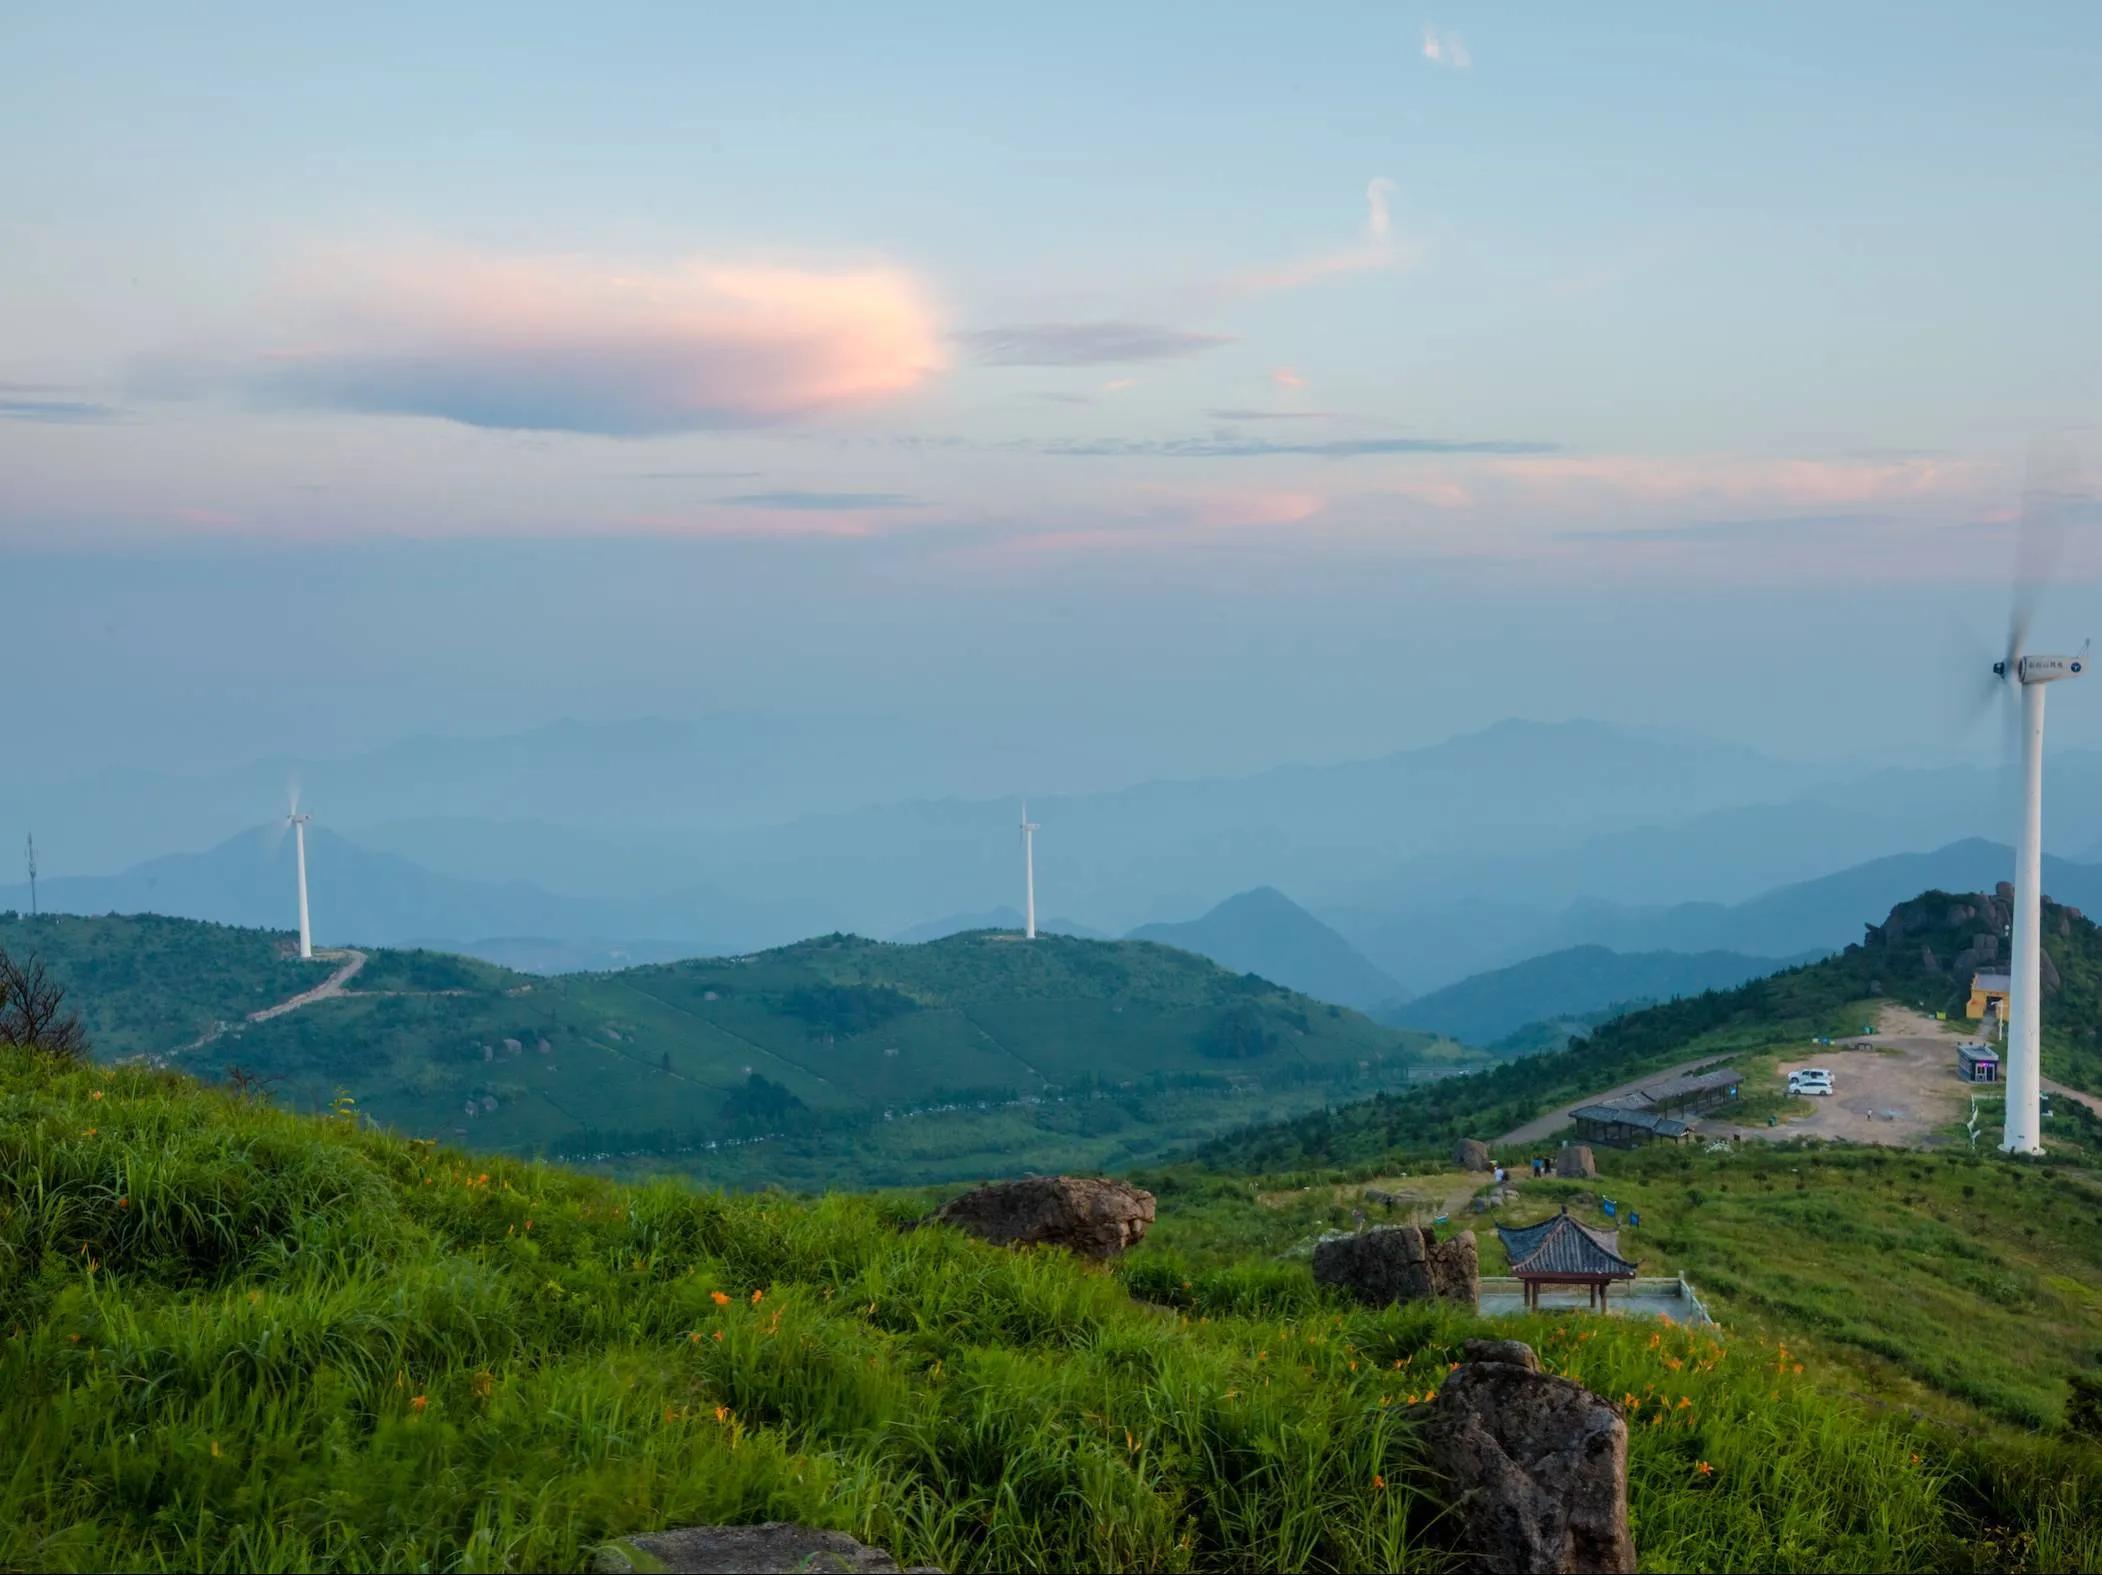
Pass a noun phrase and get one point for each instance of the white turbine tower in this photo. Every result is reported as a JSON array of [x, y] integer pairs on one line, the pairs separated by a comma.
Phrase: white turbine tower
[[1029, 831], [2040, 529], [298, 823], [2023, 1133]]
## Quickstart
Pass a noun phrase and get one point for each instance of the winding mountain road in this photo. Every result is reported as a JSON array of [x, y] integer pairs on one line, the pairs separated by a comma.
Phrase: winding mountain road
[[335, 984]]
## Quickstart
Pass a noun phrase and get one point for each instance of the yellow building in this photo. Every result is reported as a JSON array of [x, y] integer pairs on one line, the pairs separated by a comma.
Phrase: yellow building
[[1988, 994]]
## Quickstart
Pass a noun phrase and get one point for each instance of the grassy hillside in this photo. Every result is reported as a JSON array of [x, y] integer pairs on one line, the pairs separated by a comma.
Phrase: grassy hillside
[[242, 1339], [1912, 956], [1487, 1007], [836, 1058]]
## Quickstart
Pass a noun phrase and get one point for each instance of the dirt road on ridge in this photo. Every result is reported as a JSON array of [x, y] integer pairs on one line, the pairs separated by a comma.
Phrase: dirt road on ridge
[[333, 985]]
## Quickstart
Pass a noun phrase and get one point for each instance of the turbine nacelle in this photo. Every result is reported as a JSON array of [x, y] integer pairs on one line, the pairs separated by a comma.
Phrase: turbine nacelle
[[2042, 669]]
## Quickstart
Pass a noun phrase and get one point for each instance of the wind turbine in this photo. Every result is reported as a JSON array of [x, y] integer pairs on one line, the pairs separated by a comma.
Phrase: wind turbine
[[298, 823], [1029, 831], [2028, 674]]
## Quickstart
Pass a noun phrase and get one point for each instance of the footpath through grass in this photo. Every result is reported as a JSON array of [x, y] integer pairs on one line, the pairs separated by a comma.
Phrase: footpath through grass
[[240, 1339]]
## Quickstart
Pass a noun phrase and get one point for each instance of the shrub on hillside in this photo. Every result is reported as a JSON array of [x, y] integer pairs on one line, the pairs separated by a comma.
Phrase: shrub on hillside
[[33, 1011]]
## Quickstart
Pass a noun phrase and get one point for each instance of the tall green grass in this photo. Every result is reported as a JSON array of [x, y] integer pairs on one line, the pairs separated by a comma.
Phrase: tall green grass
[[239, 1339]]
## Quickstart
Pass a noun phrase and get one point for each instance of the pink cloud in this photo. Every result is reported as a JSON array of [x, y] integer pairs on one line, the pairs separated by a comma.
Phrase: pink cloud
[[1288, 380], [577, 345]]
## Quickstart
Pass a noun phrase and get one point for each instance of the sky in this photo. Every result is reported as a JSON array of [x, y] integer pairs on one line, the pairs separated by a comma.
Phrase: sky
[[1183, 387]]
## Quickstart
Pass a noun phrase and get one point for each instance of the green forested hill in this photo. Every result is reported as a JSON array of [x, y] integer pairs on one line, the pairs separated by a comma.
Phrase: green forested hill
[[1923, 954], [836, 1060]]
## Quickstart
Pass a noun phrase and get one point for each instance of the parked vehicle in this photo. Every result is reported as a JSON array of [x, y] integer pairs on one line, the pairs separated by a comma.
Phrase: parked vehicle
[[1812, 1081]]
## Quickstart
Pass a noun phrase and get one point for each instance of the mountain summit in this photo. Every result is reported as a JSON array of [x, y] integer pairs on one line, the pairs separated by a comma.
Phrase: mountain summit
[[1265, 932]]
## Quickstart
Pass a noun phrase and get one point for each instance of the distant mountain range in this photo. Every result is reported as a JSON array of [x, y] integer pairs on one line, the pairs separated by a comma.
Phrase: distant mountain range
[[1574, 984], [364, 897], [1467, 931], [1264, 932], [649, 809], [586, 845]]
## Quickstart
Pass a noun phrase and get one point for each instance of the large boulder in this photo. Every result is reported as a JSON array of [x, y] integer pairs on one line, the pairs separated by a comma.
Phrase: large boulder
[[1401, 1263], [1538, 1465], [1472, 1154], [1575, 1162], [1096, 1218], [776, 1548]]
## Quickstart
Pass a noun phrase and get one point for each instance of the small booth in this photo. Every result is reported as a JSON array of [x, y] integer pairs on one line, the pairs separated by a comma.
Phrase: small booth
[[1977, 1064], [1988, 997]]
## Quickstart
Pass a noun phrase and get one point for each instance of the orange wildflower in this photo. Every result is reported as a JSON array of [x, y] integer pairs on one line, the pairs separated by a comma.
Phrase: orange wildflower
[[1379, 1482], [755, 1297], [94, 1093], [1703, 1468], [123, 1203], [719, 1298], [418, 1402], [718, 1334]]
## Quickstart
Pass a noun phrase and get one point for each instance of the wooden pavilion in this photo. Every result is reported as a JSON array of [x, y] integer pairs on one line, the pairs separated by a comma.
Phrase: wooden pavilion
[[1562, 1250]]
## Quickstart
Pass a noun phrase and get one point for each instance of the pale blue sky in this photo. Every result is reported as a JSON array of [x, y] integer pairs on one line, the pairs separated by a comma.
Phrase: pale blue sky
[[1139, 328]]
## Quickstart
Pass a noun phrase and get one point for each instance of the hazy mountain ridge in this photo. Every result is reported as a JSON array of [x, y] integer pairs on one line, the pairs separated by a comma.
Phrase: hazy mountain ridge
[[1264, 932], [1574, 983]]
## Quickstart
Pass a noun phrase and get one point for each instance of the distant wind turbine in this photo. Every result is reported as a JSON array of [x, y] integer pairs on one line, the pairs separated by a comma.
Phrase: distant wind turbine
[[299, 823], [1029, 831]]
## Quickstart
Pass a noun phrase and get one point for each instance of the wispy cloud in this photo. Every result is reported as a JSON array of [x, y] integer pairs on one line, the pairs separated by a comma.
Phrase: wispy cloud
[[1229, 447], [17, 404], [1084, 344], [1240, 413], [1784, 527], [697, 475], [825, 501], [1378, 248], [570, 345], [1446, 49], [1287, 379]]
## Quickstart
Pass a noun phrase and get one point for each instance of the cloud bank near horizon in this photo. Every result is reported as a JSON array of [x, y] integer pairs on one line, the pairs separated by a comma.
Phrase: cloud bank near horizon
[[585, 346]]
